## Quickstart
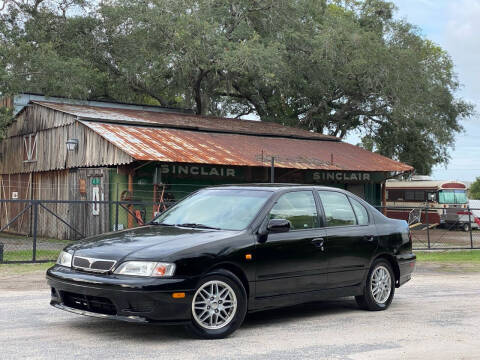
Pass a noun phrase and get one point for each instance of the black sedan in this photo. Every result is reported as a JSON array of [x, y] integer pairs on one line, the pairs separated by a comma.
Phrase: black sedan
[[225, 251]]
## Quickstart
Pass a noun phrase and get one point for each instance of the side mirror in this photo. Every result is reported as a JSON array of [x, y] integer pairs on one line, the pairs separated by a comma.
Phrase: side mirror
[[278, 225], [431, 197]]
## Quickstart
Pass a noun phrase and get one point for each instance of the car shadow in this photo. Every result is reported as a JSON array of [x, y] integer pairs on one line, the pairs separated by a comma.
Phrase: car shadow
[[173, 333], [300, 312]]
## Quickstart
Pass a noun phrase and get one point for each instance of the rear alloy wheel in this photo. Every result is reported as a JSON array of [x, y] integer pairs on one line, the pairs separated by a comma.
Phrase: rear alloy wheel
[[380, 287], [219, 306]]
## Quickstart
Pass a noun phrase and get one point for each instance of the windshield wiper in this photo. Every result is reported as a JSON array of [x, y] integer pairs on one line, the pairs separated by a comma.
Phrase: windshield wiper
[[163, 224], [198, 226]]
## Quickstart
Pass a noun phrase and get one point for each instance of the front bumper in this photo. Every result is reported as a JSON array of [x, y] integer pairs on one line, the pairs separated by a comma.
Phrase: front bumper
[[126, 298]]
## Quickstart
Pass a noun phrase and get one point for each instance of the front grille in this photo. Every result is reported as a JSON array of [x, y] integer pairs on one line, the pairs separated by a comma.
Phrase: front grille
[[94, 304], [92, 264]]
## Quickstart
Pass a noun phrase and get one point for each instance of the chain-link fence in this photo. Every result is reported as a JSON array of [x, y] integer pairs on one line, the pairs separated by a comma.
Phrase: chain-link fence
[[440, 228], [36, 230]]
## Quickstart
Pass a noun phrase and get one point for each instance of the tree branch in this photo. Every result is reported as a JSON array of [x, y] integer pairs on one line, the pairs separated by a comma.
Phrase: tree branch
[[197, 91], [246, 112]]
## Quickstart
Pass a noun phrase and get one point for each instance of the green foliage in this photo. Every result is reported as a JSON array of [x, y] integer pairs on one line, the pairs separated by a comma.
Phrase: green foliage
[[6, 117], [331, 66], [474, 191]]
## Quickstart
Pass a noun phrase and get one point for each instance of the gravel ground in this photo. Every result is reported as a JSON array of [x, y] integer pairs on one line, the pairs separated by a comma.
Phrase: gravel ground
[[436, 315]]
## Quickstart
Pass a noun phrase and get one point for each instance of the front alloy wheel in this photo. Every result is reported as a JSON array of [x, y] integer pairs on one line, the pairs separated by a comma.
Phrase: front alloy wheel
[[214, 305], [380, 287], [219, 305]]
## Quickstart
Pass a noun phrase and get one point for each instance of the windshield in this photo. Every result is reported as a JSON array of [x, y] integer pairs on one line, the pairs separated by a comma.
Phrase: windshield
[[216, 208], [452, 197]]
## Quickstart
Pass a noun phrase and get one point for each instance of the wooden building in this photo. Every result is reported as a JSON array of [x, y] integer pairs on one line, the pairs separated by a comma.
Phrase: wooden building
[[59, 149]]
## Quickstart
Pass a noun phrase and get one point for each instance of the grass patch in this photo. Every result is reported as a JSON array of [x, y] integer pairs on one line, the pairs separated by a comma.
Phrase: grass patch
[[467, 256], [26, 255], [7, 236]]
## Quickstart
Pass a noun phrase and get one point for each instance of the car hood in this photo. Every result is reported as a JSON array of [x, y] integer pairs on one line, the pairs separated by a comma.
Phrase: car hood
[[149, 242]]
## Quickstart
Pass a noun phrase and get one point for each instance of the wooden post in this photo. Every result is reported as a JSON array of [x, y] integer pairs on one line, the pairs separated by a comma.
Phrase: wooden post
[[384, 198], [272, 170], [130, 193]]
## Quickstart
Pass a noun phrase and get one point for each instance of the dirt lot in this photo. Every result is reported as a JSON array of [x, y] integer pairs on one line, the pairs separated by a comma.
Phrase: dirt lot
[[436, 315]]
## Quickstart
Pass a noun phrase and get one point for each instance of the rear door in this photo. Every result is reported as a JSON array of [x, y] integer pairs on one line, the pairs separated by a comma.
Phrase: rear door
[[293, 261], [351, 238]]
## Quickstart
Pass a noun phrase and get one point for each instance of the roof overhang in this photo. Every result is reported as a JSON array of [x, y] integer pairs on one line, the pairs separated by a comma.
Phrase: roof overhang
[[173, 145]]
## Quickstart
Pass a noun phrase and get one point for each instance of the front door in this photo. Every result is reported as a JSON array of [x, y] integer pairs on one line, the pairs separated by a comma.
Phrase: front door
[[293, 261], [351, 239]]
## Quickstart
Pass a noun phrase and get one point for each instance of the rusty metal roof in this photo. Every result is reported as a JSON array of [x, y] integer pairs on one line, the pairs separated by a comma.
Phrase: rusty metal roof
[[201, 147], [182, 120]]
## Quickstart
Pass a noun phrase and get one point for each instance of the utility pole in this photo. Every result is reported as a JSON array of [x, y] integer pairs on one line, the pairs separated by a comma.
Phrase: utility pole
[[272, 170]]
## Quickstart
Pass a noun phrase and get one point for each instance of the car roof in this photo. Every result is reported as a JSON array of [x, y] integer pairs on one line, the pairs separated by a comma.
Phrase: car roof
[[273, 186]]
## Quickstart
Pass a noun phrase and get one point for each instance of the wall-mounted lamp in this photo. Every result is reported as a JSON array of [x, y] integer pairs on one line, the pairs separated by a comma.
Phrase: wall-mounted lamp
[[72, 144]]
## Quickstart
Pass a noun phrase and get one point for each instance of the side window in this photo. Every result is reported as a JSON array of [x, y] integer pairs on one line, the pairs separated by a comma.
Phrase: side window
[[360, 211], [299, 208], [338, 210]]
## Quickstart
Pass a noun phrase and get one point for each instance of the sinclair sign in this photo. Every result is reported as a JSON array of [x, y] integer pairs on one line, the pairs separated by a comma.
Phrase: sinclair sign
[[204, 171], [341, 177]]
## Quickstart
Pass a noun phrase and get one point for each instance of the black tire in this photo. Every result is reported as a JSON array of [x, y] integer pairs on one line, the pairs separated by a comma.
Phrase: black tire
[[367, 300], [226, 277], [466, 227]]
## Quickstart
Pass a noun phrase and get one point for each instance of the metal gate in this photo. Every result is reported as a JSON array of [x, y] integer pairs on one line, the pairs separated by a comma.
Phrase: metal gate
[[36, 230]]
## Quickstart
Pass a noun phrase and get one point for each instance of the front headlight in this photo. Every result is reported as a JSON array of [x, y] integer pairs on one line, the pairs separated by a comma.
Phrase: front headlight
[[146, 268], [65, 259]]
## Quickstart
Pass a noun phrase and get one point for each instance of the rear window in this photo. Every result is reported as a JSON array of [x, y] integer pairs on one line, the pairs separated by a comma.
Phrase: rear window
[[360, 211]]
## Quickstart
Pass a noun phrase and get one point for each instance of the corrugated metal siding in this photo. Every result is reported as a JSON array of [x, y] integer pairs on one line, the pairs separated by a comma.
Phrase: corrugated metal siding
[[173, 145], [35, 118], [52, 152]]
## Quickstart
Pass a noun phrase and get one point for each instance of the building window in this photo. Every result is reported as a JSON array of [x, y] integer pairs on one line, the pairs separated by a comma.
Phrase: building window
[[30, 148]]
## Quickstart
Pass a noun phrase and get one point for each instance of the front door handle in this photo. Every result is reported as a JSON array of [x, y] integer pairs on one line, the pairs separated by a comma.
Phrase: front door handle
[[319, 243], [369, 238]]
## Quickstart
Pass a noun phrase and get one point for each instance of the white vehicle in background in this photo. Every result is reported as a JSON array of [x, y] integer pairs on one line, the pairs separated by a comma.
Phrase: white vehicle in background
[[441, 197], [465, 219]]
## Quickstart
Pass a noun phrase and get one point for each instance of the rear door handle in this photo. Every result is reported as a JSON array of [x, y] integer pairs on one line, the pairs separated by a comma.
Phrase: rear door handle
[[368, 237], [319, 243]]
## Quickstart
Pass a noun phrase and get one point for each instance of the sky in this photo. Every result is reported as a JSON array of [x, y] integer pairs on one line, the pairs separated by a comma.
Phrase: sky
[[455, 26]]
